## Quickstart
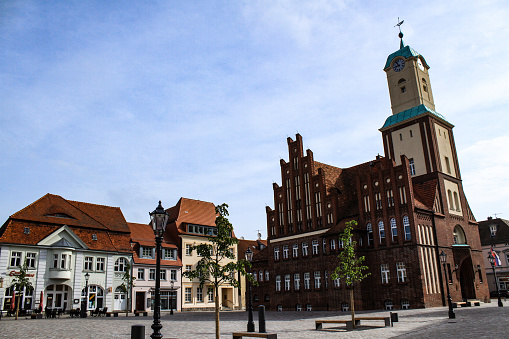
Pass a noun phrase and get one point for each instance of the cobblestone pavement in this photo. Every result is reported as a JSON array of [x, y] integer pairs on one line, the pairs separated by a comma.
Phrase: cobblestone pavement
[[471, 322]]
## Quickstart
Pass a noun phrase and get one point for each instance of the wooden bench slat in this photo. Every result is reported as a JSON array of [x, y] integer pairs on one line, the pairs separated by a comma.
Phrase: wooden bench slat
[[239, 335]]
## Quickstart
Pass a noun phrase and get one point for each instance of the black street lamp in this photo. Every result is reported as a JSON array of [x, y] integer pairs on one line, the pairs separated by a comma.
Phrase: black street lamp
[[443, 260], [250, 322], [171, 289], [158, 220], [83, 313], [491, 258]]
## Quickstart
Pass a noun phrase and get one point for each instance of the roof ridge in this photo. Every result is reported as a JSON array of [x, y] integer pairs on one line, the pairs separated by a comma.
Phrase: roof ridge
[[79, 209], [26, 207]]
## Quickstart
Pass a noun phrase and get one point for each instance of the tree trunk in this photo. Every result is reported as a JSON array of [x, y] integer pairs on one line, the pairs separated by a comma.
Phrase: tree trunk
[[352, 303], [217, 312]]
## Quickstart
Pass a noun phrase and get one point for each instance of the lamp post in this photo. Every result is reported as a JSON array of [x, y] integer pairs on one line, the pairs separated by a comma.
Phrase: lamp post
[[250, 322], [83, 313], [171, 289], [158, 220], [491, 258], [443, 260]]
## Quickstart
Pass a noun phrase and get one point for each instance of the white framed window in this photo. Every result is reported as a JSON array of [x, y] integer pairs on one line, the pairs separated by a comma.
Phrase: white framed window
[[381, 230], [295, 250], [299, 308], [99, 264], [199, 294], [318, 283], [384, 269], [141, 274], [120, 265], [394, 229], [146, 252], [152, 274], [89, 264], [55, 261], [406, 227], [337, 282], [285, 252], [30, 259], [255, 275], [63, 261], [296, 281], [287, 282], [276, 253], [308, 308], [305, 249], [401, 270], [189, 250], [173, 275], [278, 283], [260, 274], [369, 228], [16, 259], [163, 274], [210, 294], [345, 307], [189, 268], [169, 254], [188, 294], [333, 244], [315, 247], [307, 281], [388, 304], [405, 304]]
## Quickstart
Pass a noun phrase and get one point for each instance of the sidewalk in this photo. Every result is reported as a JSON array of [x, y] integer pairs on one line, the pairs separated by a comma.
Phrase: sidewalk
[[471, 322]]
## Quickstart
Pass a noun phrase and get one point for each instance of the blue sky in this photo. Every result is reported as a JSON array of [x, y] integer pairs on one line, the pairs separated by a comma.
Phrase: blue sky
[[125, 103]]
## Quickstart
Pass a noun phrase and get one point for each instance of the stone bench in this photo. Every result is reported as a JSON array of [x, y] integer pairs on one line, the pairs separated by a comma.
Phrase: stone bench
[[349, 327], [142, 313], [460, 304], [239, 335], [387, 320], [473, 303]]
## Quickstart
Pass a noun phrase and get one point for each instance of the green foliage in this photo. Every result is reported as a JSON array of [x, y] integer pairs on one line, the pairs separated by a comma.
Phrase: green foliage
[[211, 267], [127, 279], [350, 268], [21, 280]]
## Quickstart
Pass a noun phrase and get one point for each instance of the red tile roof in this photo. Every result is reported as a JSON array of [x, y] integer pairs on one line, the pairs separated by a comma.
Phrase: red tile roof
[[143, 235], [193, 212]]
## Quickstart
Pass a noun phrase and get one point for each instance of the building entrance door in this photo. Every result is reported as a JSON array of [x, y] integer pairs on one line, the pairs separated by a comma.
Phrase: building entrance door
[[140, 301], [467, 280]]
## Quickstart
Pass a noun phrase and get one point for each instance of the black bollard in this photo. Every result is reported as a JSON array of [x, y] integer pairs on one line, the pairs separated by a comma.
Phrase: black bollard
[[138, 332], [261, 319]]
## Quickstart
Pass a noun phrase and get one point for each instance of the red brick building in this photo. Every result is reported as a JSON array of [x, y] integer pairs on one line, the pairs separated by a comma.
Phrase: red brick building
[[409, 205]]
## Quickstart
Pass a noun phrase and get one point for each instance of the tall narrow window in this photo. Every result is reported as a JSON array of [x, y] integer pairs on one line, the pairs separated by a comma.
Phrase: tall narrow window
[[390, 198], [30, 259], [295, 250], [457, 201], [401, 270], [402, 195], [447, 165], [394, 230], [333, 244], [406, 227], [285, 252], [287, 282], [16, 259], [384, 268], [296, 281], [305, 249], [378, 201], [318, 205], [278, 283], [412, 166], [89, 264], [307, 196], [369, 228], [367, 207], [315, 247], [318, 283], [307, 281], [199, 294], [188, 294], [381, 230], [276, 253]]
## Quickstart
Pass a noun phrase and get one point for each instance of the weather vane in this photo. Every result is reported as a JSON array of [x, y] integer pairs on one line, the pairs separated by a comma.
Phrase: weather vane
[[401, 45]]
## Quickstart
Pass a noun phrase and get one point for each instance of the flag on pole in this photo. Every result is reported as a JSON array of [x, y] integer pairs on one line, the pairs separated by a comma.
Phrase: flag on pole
[[496, 258]]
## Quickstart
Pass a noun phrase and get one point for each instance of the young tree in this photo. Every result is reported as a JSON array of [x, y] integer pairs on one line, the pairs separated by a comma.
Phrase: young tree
[[21, 283], [127, 284], [218, 263], [350, 267]]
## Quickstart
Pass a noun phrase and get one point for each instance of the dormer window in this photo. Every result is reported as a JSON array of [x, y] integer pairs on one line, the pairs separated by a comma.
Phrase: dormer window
[[94, 236], [146, 252], [26, 230]]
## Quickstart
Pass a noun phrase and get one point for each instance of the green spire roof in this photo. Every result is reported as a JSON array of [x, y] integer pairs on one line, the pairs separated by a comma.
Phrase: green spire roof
[[406, 52], [411, 113]]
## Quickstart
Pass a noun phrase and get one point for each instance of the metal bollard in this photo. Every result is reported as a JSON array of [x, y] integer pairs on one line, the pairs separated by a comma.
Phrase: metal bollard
[[261, 319], [394, 318], [138, 332]]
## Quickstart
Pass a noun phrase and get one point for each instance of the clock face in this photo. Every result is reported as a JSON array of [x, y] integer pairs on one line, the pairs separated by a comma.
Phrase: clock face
[[419, 63], [398, 65]]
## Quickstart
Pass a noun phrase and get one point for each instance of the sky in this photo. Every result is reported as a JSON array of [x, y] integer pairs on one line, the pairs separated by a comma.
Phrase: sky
[[125, 103]]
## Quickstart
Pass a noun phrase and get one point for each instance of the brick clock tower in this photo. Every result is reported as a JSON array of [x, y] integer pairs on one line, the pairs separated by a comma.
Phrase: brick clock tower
[[416, 131]]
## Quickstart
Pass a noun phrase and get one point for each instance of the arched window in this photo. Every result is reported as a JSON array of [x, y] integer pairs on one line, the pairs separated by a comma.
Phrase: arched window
[[459, 235], [261, 275], [120, 265], [255, 275], [394, 230], [381, 230], [266, 275], [401, 81], [406, 228], [451, 203], [369, 228], [405, 304], [457, 201], [388, 304]]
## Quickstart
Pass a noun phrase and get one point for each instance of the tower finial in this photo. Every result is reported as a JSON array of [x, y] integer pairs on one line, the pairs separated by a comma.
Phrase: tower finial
[[401, 44]]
